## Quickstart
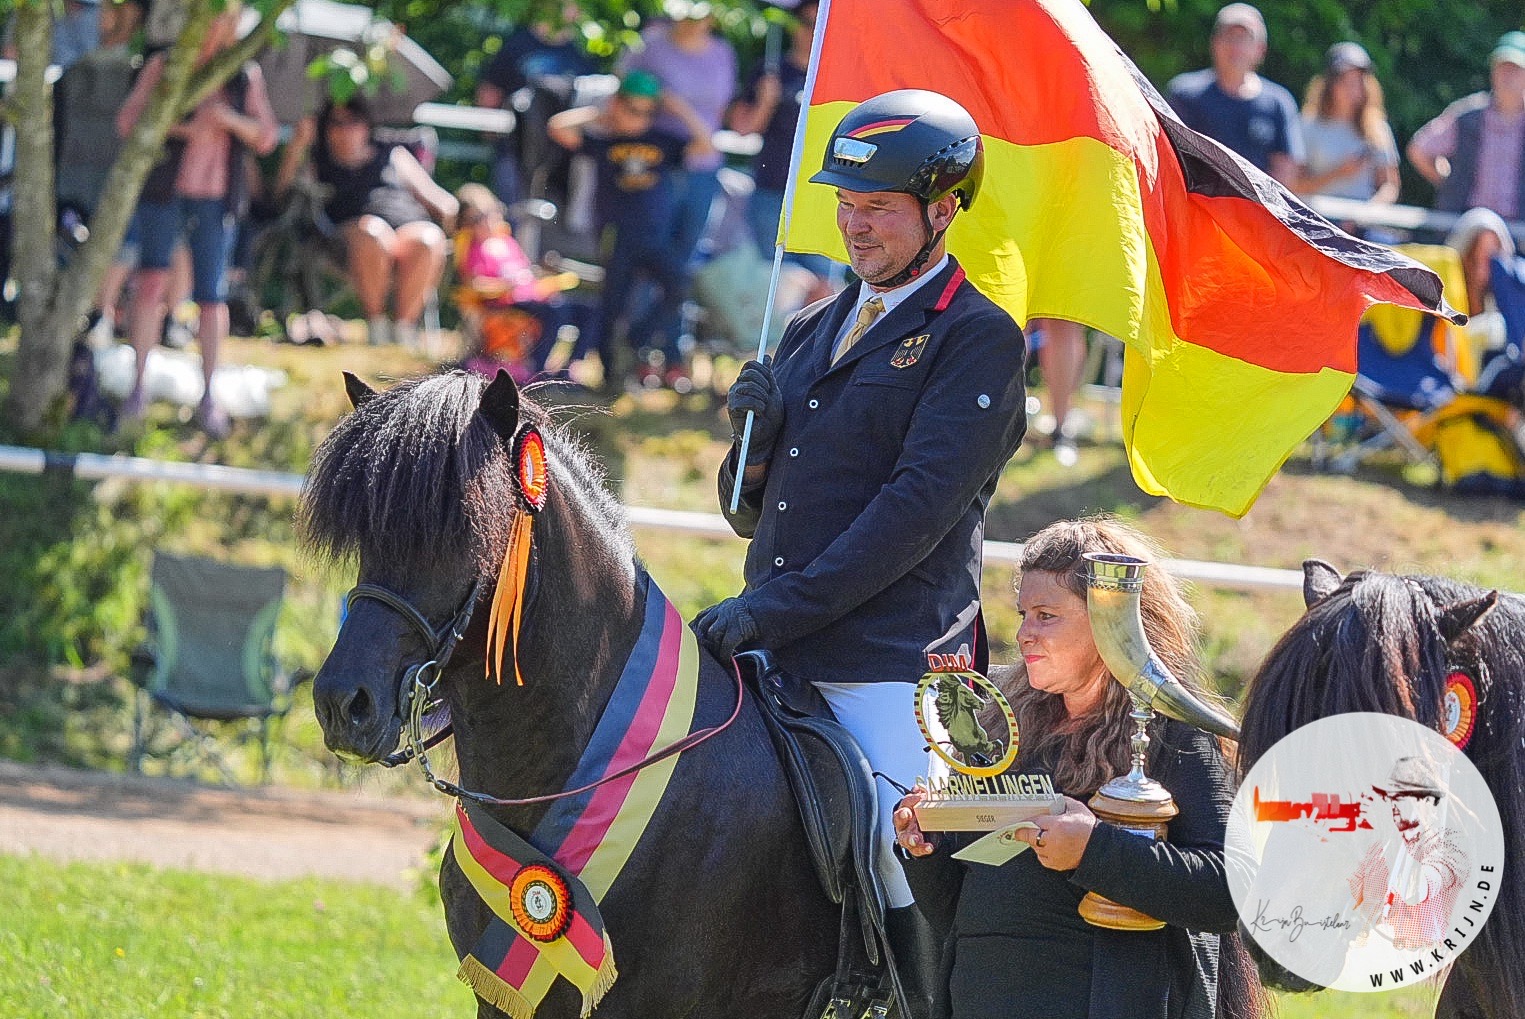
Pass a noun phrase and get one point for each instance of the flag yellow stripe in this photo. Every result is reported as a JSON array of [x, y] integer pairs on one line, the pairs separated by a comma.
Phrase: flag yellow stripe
[[1087, 225], [645, 794], [1167, 411]]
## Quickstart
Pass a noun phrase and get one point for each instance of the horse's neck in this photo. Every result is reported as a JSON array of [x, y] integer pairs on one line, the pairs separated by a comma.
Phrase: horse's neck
[[583, 614]]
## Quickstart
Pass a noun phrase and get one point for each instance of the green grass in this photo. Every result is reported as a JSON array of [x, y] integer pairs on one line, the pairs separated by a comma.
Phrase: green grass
[[131, 942], [1415, 1003]]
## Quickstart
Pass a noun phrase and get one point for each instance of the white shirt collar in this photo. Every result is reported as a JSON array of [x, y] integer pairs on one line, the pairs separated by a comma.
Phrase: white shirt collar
[[891, 298]]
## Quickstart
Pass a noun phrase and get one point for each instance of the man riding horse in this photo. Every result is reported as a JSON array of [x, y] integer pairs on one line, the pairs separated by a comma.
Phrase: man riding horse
[[881, 427]]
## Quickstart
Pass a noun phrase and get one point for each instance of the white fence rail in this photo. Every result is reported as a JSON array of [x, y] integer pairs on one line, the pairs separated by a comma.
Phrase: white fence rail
[[95, 467]]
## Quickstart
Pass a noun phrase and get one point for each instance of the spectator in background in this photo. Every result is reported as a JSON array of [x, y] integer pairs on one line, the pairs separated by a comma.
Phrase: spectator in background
[[197, 192], [391, 215], [76, 33], [1229, 102], [697, 70], [86, 99], [1351, 150], [637, 204], [1474, 154], [1061, 350], [770, 106], [496, 275], [532, 55]]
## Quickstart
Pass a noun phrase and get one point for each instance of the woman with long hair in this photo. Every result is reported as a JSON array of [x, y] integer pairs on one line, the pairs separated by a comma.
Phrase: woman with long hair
[[1019, 946], [1351, 149]]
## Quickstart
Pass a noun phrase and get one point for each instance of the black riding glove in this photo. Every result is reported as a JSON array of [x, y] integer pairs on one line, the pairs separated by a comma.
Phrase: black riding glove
[[724, 628], [755, 390]]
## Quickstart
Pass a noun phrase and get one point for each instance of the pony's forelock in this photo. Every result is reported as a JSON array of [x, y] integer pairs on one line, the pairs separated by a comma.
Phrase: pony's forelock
[[415, 479]]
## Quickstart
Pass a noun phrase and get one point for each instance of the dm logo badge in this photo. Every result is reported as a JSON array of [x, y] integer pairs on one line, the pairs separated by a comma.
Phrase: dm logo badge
[[909, 351]]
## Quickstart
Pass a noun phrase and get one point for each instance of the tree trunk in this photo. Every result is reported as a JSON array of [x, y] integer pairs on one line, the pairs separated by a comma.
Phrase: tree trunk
[[39, 373], [54, 302]]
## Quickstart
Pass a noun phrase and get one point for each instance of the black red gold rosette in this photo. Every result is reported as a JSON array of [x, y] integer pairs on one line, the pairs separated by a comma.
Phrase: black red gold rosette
[[532, 468], [1459, 709], [541, 902]]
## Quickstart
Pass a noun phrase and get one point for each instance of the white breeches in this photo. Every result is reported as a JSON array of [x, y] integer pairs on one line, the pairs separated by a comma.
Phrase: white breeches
[[882, 716]]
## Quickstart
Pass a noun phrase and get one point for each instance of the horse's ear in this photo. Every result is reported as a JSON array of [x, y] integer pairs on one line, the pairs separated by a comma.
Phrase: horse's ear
[[357, 390], [1459, 617], [1319, 581], [500, 405]]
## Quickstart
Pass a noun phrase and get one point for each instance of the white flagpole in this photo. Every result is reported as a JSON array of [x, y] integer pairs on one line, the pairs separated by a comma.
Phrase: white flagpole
[[822, 14]]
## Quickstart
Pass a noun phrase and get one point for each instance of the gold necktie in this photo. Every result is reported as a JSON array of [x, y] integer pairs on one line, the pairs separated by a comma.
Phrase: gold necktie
[[866, 315]]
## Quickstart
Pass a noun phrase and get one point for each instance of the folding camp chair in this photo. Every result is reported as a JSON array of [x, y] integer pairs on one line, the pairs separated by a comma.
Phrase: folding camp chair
[[209, 658], [1409, 367]]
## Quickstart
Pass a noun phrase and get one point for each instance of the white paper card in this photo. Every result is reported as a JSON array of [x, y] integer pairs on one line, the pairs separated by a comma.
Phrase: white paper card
[[996, 847]]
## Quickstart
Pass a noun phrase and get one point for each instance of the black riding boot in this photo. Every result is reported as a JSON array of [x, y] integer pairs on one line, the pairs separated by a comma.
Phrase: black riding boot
[[918, 960]]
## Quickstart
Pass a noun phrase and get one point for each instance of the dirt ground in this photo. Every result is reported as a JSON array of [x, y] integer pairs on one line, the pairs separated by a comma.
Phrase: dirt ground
[[68, 814]]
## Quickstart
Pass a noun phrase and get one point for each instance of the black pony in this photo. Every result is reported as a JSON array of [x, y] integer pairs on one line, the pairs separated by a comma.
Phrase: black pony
[[1378, 642], [718, 911]]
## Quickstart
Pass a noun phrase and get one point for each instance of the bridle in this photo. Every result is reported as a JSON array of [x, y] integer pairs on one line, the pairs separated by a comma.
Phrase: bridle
[[417, 694]]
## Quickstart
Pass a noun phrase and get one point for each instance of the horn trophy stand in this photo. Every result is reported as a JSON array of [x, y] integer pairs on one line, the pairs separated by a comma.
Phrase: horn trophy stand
[[1135, 802]]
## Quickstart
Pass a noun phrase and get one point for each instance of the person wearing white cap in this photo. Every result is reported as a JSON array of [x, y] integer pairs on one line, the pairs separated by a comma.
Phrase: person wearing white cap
[[1232, 104], [1474, 154], [1473, 151]]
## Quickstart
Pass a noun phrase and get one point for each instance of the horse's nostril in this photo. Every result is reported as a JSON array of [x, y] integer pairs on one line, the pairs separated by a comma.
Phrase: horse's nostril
[[359, 709]]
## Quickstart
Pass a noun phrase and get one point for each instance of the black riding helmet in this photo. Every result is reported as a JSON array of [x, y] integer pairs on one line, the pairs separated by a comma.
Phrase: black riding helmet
[[912, 141]]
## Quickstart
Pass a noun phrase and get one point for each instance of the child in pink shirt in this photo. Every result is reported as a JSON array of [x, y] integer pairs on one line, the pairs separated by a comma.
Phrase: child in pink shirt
[[506, 302]]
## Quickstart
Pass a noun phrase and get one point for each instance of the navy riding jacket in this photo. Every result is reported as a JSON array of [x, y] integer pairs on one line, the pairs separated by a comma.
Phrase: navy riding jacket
[[867, 530]]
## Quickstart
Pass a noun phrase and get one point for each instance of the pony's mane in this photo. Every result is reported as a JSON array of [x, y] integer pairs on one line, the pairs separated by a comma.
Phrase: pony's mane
[[417, 480], [1375, 644]]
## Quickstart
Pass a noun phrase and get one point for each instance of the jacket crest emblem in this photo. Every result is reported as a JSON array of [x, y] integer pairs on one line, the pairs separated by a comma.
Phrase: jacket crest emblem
[[909, 351]]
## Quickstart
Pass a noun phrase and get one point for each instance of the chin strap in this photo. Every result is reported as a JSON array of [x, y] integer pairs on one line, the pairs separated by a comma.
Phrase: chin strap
[[914, 268]]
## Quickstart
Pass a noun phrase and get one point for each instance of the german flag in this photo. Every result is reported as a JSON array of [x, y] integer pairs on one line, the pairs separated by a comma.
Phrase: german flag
[[1238, 304]]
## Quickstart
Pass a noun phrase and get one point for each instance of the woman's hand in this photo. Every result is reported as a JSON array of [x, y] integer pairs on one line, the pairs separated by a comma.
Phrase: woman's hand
[[1060, 839], [907, 832]]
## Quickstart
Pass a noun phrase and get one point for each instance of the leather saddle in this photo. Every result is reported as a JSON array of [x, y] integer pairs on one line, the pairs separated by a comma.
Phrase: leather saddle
[[834, 787]]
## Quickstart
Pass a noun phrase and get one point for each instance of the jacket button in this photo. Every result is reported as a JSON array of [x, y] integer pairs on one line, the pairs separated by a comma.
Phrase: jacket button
[[795, 451], [779, 561], [813, 404], [783, 506], [984, 401]]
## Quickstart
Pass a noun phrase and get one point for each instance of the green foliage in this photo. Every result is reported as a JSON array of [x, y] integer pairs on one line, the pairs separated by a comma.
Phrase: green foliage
[[126, 940]]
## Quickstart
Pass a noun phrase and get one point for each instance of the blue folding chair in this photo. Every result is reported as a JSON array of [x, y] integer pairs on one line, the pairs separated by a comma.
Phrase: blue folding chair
[[1409, 366]]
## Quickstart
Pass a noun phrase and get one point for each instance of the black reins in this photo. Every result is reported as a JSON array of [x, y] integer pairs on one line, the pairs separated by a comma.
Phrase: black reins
[[416, 693]]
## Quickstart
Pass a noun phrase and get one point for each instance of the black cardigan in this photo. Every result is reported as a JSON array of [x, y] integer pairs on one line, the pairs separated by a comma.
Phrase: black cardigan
[[1171, 973]]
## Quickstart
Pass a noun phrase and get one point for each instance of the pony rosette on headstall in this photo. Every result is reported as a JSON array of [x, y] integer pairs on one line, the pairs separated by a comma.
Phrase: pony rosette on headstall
[[1448, 655], [617, 796]]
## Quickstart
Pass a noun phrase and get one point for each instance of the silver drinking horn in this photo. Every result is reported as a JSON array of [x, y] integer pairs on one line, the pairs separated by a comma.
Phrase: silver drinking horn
[[1114, 585]]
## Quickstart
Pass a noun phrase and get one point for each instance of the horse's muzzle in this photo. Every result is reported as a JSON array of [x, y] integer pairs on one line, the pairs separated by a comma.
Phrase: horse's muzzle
[[356, 727]]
